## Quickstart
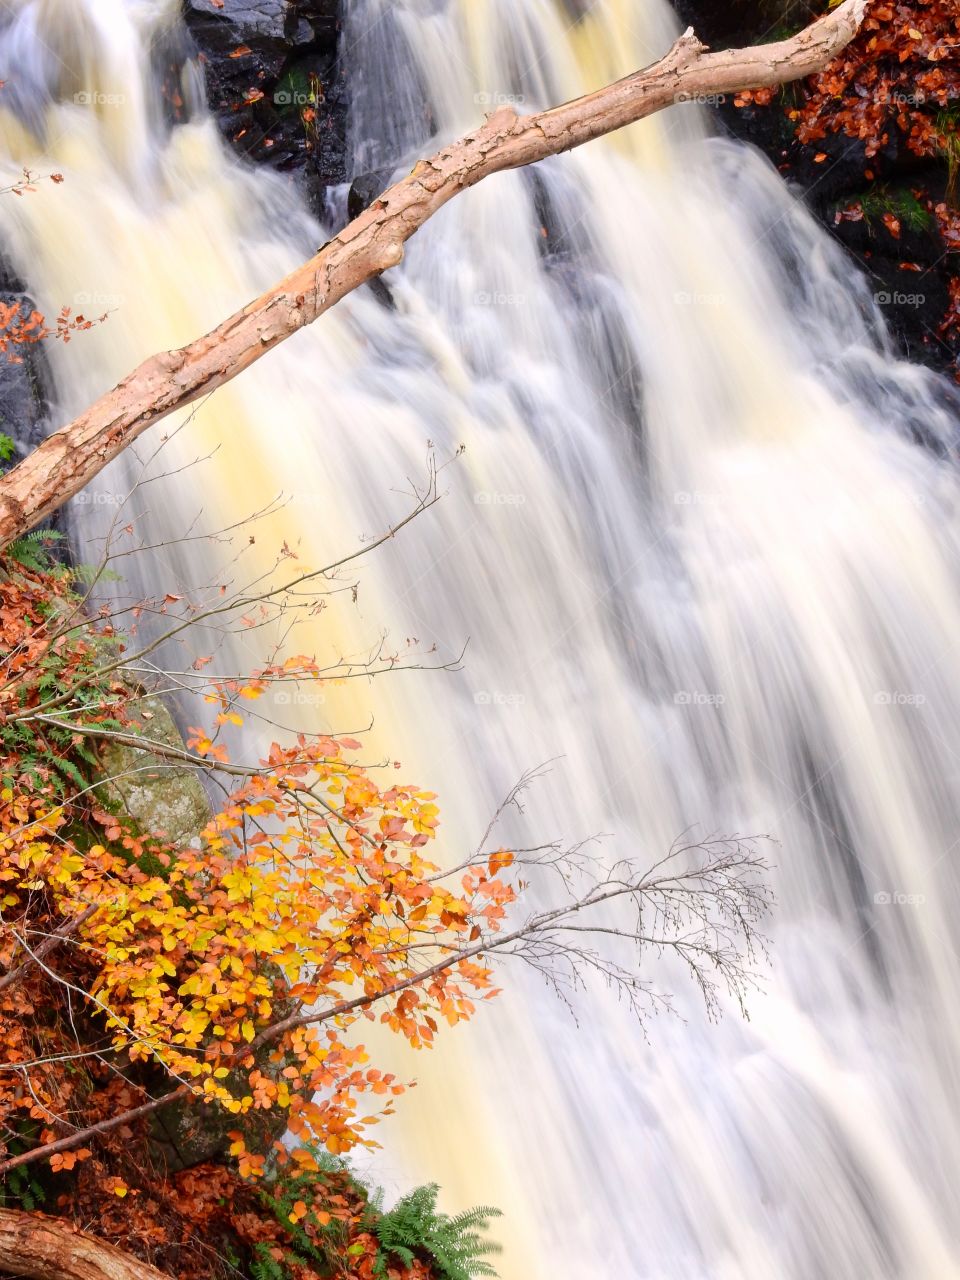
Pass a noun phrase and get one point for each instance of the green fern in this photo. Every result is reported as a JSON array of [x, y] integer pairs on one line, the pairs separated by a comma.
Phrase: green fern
[[456, 1247], [33, 551], [22, 1189], [328, 1240], [88, 574], [265, 1266]]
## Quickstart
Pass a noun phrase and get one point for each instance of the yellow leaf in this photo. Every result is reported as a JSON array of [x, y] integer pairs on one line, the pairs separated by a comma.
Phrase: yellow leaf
[[248, 1030]]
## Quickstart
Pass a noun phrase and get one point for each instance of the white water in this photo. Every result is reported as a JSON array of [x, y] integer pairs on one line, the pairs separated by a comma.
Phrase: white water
[[701, 555]]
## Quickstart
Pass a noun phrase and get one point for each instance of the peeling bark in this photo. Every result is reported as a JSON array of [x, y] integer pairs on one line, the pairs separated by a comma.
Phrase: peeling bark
[[40, 1248], [373, 243]]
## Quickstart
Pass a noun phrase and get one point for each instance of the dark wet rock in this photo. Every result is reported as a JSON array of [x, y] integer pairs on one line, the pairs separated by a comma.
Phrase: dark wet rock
[[24, 387], [365, 188], [186, 1134], [24, 382], [910, 273], [725, 24], [274, 83]]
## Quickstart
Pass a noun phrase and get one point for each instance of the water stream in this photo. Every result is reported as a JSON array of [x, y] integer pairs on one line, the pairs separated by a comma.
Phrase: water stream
[[703, 542]]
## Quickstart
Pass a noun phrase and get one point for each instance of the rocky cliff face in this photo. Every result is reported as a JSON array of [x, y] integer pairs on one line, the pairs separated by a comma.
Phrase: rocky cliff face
[[23, 401]]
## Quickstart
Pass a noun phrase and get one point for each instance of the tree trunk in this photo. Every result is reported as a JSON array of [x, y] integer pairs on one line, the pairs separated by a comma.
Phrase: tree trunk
[[41, 1248], [373, 243]]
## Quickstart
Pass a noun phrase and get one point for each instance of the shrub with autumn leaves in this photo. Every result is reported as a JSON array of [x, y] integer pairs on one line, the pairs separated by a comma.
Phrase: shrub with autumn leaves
[[898, 84], [225, 974]]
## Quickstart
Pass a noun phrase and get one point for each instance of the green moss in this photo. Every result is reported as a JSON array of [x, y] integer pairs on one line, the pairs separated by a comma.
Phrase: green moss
[[879, 200]]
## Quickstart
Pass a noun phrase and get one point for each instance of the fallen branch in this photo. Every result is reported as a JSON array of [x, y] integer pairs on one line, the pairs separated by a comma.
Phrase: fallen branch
[[41, 1248], [373, 242]]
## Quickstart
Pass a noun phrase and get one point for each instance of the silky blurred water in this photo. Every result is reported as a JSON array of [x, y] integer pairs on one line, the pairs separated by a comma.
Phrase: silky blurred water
[[703, 544]]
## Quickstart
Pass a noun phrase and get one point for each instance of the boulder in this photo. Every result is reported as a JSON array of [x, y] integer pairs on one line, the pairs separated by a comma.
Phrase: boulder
[[156, 795], [726, 24], [186, 1133]]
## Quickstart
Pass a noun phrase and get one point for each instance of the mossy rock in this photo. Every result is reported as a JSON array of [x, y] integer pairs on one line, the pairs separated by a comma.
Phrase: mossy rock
[[156, 794]]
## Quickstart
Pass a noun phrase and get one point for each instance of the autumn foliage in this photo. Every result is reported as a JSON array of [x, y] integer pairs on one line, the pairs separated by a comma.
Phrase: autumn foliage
[[898, 80], [228, 974], [22, 328]]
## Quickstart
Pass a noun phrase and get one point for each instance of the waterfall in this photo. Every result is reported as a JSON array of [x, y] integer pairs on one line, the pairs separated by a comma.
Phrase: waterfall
[[703, 542]]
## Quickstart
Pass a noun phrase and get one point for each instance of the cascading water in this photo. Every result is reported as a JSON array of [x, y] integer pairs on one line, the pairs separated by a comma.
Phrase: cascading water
[[703, 541]]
